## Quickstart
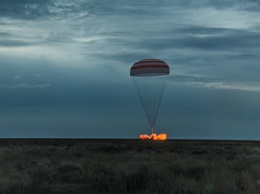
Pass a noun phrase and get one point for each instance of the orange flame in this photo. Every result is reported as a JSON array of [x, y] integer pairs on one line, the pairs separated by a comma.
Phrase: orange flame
[[153, 136]]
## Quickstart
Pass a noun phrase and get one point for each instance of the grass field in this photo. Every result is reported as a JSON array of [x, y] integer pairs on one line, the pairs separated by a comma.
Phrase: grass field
[[46, 166]]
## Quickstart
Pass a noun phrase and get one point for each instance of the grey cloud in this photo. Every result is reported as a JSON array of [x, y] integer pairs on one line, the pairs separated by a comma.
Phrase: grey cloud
[[193, 78], [4, 34], [200, 30], [65, 9], [22, 1], [23, 11], [251, 5], [223, 83], [225, 41], [219, 49], [14, 43], [126, 58], [28, 9], [34, 10], [197, 37], [25, 86]]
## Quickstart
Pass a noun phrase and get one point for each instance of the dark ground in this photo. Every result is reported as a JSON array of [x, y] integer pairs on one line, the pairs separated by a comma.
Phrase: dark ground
[[128, 166]]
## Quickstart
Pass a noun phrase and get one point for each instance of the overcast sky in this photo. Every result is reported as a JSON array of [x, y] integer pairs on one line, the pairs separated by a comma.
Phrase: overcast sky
[[64, 67]]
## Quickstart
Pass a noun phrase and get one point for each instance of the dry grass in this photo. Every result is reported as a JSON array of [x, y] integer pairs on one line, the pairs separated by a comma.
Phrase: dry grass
[[128, 166]]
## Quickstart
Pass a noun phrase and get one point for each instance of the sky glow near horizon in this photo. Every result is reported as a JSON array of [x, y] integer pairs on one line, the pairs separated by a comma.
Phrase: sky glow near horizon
[[65, 68]]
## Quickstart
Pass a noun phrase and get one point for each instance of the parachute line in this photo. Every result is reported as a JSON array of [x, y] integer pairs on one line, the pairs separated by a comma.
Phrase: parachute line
[[150, 91]]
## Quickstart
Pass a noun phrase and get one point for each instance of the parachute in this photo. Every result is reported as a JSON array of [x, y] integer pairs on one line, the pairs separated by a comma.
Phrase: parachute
[[149, 77]]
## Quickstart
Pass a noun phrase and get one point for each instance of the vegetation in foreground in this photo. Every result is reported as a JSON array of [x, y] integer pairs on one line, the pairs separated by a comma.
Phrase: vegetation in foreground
[[128, 166]]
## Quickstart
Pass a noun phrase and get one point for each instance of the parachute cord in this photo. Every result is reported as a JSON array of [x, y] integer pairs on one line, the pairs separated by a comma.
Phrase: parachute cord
[[150, 91]]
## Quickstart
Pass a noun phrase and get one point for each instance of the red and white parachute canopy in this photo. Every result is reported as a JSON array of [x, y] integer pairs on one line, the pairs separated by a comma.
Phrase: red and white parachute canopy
[[149, 67]]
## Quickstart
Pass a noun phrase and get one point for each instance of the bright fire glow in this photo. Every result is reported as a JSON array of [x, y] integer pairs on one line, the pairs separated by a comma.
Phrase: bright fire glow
[[153, 136]]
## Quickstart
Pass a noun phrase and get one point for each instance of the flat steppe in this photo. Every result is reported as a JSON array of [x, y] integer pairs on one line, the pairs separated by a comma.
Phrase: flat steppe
[[128, 166]]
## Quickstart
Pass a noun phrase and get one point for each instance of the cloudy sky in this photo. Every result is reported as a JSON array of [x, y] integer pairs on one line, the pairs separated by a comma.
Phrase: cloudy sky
[[64, 67]]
